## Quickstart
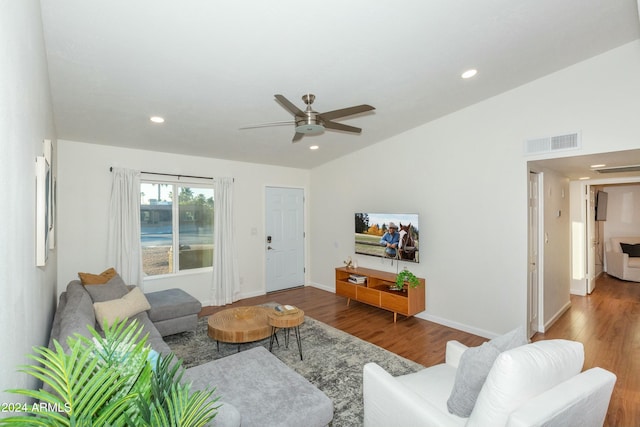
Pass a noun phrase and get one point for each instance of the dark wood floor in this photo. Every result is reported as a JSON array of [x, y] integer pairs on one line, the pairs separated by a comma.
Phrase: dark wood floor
[[607, 322]]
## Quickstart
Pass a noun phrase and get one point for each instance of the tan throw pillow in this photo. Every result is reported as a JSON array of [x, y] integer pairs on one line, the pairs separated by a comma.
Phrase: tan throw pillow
[[107, 312], [97, 279]]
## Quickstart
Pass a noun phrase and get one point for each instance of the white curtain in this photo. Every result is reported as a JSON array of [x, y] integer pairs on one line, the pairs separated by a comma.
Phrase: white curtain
[[225, 283], [124, 251]]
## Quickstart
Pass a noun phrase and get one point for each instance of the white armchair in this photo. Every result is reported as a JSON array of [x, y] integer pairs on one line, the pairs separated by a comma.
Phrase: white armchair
[[531, 385], [619, 264]]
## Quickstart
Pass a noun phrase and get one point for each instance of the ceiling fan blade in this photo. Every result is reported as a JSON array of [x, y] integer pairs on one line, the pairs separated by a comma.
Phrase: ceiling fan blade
[[263, 125], [288, 105], [339, 126], [330, 115], [297, 137]]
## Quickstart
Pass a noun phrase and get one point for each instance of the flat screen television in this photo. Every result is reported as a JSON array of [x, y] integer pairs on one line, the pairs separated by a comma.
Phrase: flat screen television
[[372, 231], [601, 205]]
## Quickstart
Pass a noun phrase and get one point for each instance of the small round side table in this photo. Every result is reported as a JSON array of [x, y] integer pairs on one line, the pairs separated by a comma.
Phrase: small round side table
[[286, 322], [239, 325]]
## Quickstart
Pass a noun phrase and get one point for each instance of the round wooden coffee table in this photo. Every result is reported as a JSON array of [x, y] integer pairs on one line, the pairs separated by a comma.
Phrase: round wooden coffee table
[[240, 325], [286, 322]]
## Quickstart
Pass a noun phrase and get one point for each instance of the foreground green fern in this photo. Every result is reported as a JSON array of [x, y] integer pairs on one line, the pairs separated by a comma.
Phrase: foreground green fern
[[110, 381]]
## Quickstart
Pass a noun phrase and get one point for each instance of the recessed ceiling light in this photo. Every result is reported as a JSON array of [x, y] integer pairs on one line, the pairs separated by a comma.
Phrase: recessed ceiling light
[[598, 166], [314, 147], [469, 73], [156, 119], [582, 178]]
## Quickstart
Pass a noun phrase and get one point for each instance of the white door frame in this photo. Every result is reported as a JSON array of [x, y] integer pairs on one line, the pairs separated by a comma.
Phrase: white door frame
[[590, 244], [535, 267]]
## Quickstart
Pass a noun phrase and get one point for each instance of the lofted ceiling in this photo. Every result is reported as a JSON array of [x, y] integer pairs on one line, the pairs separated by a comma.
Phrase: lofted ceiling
[[212, 67]]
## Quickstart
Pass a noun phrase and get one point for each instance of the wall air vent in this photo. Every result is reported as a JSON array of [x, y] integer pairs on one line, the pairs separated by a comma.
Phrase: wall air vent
[[550, 144], [619, 169]]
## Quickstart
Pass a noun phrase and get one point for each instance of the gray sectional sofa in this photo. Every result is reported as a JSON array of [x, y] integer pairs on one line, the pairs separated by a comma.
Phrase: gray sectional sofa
[[75, 312], [254, 386]]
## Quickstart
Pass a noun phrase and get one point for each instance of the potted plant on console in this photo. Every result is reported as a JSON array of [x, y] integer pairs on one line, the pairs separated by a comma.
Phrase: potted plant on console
[[406, 277]]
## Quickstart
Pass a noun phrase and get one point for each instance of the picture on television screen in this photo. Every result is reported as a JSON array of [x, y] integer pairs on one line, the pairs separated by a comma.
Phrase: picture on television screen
[[387, 235]]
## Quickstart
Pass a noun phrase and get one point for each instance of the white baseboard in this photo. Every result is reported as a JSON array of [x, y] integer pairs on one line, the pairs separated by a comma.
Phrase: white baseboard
[[245, 295], [240, 296], [331, 289], [580, 292], [435, 319], [208, 303], [555, 317], [429, 317], [456, 325]]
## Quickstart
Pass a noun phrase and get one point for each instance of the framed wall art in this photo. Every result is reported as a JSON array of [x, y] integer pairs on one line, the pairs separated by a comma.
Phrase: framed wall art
[[43, 197], [51, 190]]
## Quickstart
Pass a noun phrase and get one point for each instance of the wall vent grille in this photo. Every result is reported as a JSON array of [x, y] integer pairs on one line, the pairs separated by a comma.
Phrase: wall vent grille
[[549, 144], [618, 169]]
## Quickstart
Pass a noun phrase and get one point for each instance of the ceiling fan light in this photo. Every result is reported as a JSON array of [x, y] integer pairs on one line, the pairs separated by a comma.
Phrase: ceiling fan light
[[309, 129]]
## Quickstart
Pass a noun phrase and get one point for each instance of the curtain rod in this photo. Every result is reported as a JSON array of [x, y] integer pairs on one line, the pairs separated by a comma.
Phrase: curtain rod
[[171, 174]]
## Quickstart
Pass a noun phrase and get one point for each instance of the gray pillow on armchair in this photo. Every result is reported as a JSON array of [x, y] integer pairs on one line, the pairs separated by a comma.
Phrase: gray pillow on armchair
[[475, 364]]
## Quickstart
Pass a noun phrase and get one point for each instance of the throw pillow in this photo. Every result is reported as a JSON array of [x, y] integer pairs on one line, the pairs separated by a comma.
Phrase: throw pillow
[[107, 312], [97, 279], [631, 249], [113, 289], [475, 364]]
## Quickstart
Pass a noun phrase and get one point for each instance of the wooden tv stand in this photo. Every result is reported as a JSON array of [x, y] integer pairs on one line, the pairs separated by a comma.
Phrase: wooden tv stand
[[376, 291]]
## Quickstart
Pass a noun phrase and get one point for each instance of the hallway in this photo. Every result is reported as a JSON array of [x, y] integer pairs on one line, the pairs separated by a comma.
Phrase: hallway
[[607, 322]]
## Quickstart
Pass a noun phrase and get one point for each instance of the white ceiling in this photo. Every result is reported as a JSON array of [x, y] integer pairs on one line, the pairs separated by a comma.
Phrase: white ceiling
[[587, 166], [211, 67]]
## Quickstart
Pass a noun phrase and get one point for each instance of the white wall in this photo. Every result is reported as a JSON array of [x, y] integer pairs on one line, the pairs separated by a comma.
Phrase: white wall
[[467, 177], [26, 291], [623, 211], [556, 247], [84, 184]]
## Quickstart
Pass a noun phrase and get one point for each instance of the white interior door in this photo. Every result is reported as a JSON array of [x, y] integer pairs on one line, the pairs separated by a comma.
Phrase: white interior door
[[533, 283], [284, 240], [591, 241]]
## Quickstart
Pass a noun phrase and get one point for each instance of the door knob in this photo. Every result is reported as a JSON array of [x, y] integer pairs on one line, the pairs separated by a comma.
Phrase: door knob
[[269, 248]]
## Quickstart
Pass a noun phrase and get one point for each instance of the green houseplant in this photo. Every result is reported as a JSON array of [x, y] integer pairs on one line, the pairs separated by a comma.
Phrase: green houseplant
[[406, 277], [115, 380]]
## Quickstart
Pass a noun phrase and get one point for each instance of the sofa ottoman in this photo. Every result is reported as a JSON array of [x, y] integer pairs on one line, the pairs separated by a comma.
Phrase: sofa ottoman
[[173, 311], [264, 390]]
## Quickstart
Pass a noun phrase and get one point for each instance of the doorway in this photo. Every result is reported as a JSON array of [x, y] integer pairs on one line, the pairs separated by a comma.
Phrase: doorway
[[284, 240], [584, 174], [534, 289], [600, 227]]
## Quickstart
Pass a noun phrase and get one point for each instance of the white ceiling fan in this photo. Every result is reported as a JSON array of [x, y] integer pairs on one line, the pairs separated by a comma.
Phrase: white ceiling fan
[[310, 122]]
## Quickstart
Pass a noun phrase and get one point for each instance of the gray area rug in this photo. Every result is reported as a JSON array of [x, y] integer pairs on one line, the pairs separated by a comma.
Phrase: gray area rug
[[333, 361]]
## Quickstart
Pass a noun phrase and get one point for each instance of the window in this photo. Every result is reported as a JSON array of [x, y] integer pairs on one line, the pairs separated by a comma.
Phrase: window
[[176, 232]]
